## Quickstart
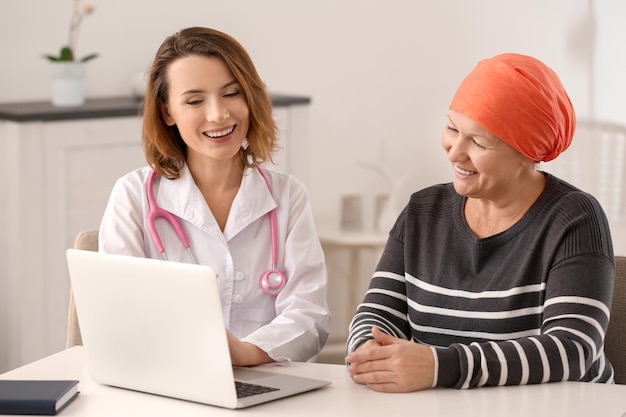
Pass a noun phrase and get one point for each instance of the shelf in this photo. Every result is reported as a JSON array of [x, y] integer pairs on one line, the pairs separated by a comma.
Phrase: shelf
[[101, 108]]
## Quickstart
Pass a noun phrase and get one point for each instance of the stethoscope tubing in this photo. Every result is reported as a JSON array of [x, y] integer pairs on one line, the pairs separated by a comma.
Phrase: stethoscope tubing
[[271, 282], [273, 227], [155, 212]]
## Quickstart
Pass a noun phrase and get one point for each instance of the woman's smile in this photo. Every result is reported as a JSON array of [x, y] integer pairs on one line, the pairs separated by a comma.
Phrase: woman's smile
[[463, 173], [221, 135]]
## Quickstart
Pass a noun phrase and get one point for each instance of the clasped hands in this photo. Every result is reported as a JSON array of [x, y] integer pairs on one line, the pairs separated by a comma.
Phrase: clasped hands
[[390, 364]]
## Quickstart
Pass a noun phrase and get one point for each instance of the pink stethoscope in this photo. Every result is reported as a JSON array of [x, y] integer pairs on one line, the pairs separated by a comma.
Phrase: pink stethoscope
[[271, 281]]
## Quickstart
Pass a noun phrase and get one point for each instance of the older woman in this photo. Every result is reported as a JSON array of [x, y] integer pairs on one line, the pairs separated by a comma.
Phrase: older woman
[[504, 276]]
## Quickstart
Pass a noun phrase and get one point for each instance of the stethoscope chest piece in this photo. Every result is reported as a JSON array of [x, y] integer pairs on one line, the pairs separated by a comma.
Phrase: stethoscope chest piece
[[272, 281]]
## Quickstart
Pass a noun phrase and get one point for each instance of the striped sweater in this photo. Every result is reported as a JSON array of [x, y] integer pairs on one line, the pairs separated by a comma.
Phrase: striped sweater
[[528, 305]]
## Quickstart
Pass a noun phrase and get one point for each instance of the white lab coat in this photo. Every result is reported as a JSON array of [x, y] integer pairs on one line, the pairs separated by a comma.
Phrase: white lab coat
[[291, 326]]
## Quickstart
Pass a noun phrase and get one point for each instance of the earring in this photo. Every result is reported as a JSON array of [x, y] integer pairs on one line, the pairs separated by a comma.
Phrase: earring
[[245, 144]]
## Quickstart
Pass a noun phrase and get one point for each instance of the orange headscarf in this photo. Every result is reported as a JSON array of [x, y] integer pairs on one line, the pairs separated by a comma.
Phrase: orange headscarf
[[520, 100]]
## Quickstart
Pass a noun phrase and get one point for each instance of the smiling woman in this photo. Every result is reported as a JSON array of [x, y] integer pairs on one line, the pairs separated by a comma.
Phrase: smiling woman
[[486, 169], [505, 275], [210, 110], [207, 128]]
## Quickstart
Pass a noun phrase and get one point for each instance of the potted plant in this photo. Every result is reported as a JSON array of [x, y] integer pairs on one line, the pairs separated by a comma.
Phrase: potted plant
[[68, 72]]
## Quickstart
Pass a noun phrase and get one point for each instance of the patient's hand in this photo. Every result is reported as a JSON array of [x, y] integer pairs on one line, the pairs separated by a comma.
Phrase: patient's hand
[[244, 353], [389, 364]]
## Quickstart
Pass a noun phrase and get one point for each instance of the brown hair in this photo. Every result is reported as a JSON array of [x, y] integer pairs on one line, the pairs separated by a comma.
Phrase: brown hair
[[163, 146]]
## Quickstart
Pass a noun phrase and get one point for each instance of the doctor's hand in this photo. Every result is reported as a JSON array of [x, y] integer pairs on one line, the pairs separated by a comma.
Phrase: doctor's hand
[[244, 353], [389, 364]]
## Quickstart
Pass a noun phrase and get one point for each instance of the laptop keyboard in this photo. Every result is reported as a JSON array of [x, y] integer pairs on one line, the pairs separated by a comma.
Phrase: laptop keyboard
[[246, 389]]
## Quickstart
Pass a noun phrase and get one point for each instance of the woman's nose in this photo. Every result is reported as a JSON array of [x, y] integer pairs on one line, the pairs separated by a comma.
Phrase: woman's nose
[[453, 146], [217, 112]]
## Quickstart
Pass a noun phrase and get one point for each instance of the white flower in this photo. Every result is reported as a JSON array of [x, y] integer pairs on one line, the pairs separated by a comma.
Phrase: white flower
[[67, 51]]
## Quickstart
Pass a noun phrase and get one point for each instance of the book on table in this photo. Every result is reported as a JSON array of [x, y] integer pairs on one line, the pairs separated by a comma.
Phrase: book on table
[[36, 397]]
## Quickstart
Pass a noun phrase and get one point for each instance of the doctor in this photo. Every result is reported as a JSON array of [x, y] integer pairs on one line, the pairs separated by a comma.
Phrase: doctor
[[207, 127]]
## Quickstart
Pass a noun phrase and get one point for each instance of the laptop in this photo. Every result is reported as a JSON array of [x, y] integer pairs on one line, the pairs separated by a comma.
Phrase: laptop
[[156, 326]]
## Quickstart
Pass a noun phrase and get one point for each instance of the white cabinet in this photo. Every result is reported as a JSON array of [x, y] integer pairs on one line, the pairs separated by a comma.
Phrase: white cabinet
[[58, 176], [56, 181]]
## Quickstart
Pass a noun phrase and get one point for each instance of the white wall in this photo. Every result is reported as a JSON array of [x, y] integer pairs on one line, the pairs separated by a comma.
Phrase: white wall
[[378, 71]]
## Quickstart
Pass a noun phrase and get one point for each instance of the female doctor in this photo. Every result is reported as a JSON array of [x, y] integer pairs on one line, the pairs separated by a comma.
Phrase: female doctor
[[207, 127]]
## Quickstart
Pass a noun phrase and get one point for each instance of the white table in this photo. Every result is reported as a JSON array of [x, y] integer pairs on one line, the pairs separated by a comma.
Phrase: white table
[[341, 398]]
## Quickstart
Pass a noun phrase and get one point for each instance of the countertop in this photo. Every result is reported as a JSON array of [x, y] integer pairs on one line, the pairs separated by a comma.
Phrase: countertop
[[100, 108]]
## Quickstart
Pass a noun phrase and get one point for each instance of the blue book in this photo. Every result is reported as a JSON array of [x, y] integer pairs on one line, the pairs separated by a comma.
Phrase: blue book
[[42, 397]]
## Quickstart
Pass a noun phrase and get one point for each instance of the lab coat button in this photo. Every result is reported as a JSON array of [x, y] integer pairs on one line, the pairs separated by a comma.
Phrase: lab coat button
[[238, 299], [239, 276]]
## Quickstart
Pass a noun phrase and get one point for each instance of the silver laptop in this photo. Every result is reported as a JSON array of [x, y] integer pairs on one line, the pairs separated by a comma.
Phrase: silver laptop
[[157, 327]]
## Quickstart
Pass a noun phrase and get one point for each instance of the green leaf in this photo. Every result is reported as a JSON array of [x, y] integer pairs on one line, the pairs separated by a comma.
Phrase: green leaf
[[66, 54], [88, 57]]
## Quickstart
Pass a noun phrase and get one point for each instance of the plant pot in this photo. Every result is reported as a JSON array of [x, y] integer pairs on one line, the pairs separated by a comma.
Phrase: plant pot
[[68, 83]]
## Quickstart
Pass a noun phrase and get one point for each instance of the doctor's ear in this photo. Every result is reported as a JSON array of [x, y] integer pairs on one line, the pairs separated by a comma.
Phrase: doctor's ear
[[165, 113]]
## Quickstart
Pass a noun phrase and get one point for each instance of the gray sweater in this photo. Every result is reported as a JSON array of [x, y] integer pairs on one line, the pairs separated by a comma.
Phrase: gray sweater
[[528, 305]]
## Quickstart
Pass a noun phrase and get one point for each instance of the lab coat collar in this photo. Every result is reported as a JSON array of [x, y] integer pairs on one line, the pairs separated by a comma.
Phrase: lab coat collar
[[182, 198], [253, 200]]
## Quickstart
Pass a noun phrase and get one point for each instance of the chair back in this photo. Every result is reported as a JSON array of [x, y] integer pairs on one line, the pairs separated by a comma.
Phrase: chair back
[[615, 340], [85, 240], [595, 162]]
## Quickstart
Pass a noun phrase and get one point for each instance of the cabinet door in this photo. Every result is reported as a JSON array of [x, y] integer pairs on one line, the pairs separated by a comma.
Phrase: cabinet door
[[83, 159]]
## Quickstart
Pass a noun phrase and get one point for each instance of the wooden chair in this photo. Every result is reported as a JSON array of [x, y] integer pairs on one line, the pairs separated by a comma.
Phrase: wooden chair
[[615, 340], [85, 240]]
